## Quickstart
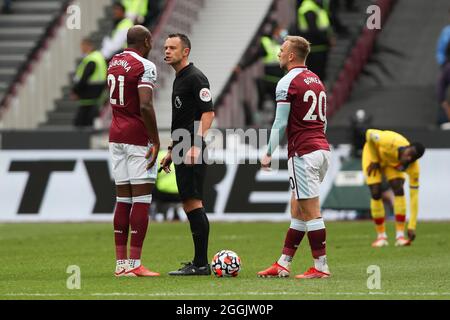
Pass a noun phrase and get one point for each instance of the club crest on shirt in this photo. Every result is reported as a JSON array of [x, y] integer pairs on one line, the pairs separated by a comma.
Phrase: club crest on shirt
[[205, 95], [178, 102]]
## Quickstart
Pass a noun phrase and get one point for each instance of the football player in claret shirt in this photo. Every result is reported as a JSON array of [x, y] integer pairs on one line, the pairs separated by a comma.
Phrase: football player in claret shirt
[[301, 113], [389, 154], [134, 146]]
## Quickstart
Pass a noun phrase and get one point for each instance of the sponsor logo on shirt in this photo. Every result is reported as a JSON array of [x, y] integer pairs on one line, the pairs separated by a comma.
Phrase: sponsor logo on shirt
[[205, 95]]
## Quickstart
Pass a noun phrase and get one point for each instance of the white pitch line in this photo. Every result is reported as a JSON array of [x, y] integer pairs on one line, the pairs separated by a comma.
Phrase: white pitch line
[[165, 294]]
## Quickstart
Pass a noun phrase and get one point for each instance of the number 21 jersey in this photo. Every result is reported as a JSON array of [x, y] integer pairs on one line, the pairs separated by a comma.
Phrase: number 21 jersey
[[127, 72]]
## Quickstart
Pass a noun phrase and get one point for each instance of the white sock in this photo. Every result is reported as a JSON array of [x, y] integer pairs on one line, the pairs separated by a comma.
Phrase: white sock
[[382, 235], [121, 264], [400, 234], [321, 264], [285, 261], [134, 263]]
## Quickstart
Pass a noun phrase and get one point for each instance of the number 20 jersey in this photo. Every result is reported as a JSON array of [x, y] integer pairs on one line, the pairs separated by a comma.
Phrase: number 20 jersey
[[127, 72], [304, 91]]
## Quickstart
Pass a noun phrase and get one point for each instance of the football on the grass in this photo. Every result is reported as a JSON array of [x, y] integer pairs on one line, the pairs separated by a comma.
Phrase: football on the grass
[[226, 263]]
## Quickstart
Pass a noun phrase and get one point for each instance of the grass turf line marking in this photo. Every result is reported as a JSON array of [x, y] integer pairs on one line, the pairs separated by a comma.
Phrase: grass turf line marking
[[163, 294]]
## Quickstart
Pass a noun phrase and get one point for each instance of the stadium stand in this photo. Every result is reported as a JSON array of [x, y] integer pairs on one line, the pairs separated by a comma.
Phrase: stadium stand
[[237, 90], [354, 22], [203, 20], [65, 108], [32, 91], [361, 63], [200, 20], [397, 85], [21, 34], [399, 68], [216, 20]]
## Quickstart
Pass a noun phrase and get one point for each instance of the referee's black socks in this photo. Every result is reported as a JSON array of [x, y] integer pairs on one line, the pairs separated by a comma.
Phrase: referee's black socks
[[200, 233]]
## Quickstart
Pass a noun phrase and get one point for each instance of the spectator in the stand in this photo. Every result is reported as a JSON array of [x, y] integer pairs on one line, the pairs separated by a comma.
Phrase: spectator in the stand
[[155, 7], [333, 7], [444, 90], [443, 41], [136, 10], [6, 7], [313, 24], [267, 49], [89, 84], [118, 39], [349, 4]]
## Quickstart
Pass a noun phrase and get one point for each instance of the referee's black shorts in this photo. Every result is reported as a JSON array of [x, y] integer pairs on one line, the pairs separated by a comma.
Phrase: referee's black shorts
[[190, 180]]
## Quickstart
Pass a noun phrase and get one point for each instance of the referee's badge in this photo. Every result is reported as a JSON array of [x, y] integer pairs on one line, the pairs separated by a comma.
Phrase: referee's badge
[[205, 95], [178, 102]]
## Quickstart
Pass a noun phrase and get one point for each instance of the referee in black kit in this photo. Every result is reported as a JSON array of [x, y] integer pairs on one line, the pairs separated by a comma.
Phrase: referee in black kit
[[191, 103]]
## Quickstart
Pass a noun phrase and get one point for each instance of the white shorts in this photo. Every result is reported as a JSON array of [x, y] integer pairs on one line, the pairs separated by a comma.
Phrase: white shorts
[[307, 172], [129, 165]]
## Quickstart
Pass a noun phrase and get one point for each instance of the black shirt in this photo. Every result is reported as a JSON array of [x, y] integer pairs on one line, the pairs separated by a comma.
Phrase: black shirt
[[190, 98], [83, 89]]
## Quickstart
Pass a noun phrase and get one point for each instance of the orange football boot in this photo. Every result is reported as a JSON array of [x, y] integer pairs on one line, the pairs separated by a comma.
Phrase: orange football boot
[[380, 242], [274, 271], [313, 273], [402, 242], [140, 271]]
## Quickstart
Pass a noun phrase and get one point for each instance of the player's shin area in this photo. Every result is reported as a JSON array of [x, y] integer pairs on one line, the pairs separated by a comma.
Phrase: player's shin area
[[305, 220]]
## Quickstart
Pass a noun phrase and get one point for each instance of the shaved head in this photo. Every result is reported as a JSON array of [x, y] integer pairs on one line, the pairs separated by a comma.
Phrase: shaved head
[[137, 34], [139, 38]]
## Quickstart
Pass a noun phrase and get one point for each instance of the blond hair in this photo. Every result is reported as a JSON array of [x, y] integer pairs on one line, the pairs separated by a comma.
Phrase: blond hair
[[299, 45]]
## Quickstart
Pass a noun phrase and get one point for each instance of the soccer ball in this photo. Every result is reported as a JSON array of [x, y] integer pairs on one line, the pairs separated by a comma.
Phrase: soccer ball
[[226, 263]]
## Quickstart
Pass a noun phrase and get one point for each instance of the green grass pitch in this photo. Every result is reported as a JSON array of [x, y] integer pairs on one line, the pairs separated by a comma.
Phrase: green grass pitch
[[35, 258]]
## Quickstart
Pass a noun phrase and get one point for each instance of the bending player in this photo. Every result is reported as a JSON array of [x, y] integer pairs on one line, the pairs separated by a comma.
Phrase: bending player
[[389, 154]]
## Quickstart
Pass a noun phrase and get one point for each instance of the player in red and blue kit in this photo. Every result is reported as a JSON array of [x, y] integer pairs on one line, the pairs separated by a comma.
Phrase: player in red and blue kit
[[301, 112], [134, 146]]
